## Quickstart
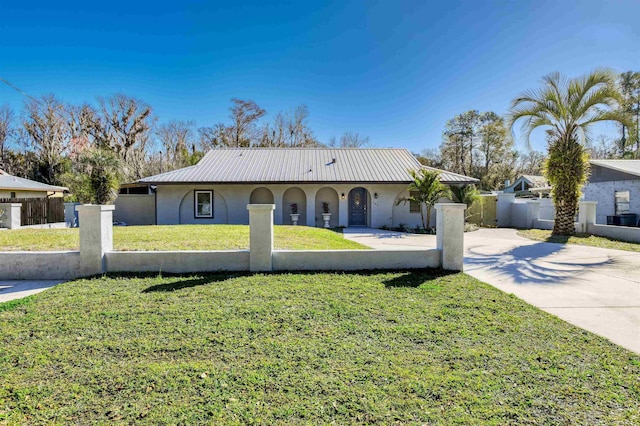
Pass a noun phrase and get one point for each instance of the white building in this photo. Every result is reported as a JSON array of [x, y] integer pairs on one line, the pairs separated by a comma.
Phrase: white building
[[359, 186]]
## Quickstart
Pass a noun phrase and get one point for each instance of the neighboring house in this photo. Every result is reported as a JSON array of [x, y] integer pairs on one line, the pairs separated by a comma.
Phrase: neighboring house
[[615, 185], [16, 187], [360, 186], [528, 183]]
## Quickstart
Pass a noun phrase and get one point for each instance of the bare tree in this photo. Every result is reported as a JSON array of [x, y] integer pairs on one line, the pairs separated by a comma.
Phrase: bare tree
[[214, 137], [176, 138], [244, 115], [349, 140], [48, 132], [6, 131]]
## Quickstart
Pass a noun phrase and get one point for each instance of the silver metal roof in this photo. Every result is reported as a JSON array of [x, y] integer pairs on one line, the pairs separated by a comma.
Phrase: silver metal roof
[[15, 183], [626, 166], [299, 165]]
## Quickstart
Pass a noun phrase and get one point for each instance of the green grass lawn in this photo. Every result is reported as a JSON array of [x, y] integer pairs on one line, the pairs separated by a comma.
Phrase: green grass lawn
[[178, 237], [401, 348], [580, 239]]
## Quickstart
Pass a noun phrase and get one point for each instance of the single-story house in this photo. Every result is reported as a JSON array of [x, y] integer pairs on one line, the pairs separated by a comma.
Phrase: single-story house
[[360, 187], [615, 185], [17, 187]]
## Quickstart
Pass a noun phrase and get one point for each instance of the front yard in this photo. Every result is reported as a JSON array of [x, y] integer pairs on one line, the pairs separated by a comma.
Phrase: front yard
[[178, 237], [397, 347]]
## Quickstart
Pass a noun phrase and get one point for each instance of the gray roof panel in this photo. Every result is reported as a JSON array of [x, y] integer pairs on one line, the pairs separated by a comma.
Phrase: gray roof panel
[[15, 183], [287, 165], [631, 167]]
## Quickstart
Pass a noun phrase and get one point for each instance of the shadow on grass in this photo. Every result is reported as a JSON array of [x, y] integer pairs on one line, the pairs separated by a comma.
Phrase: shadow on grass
[[407, 278], [182, 281], [416, 278]]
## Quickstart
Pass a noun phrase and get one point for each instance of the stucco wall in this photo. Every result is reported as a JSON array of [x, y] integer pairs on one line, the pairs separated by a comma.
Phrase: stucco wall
[[23, 194], [345, 260], [177, 261], [175, 204], [39, 265], [135, 209], [604, 194]]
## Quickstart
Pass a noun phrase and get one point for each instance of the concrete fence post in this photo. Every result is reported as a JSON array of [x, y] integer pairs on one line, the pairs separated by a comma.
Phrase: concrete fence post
[[450, 235], [96, 237], [11, 218], [586, 215], [533, 213], [503, 209], [260, 237]]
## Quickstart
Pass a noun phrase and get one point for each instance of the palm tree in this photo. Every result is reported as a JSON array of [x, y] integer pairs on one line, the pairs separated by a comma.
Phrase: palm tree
[[427, 190], [465, 194], [567, 108]]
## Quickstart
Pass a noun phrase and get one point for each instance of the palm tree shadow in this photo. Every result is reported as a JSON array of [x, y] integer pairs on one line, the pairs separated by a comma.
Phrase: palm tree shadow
[[532, 264], [416, 278]]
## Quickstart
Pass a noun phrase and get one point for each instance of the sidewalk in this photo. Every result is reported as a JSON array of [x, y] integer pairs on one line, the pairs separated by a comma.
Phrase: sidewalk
[[10, 290]]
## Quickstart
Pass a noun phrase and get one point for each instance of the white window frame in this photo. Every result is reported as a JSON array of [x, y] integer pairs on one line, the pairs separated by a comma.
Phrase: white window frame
[[196, 213]]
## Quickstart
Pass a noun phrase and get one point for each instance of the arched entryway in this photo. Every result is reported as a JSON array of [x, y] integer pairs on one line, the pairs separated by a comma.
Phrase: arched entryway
[[261, 195], [329, 196], [298, 197], [359, 207]]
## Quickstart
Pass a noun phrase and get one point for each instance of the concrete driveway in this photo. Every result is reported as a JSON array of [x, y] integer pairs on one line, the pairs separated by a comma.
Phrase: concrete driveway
[[595, 289], [10, 290]]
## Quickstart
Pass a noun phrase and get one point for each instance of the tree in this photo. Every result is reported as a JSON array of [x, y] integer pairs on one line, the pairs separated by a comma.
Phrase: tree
[[495, 149], [349, 140], [427, 190], [629, 84], [244, 115], [46, 128], [95, 178], [6, 131], [176, 138], [465, 194], [567, 108]]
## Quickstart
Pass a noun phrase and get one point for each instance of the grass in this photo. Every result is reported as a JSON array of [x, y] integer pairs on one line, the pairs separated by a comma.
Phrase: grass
[[178, 237], [580, 239], [367, 348]]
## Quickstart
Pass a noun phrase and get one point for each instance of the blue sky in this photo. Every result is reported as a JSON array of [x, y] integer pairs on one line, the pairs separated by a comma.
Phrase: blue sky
[[394, 71]]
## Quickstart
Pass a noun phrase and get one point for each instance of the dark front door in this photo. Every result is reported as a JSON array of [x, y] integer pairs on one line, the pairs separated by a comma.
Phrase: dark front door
[[358, 207]]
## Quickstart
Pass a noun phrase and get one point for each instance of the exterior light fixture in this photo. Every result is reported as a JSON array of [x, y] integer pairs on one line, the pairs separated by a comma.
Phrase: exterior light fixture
[[375, 195], [342, 196]]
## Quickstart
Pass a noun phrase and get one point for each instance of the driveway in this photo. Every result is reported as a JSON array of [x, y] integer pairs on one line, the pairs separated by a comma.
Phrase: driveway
[[10, 290], [592, 288]]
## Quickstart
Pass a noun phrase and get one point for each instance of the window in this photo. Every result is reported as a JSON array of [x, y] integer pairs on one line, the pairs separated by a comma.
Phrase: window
[[622, 202], [203, 204], [414, 207], [13, 195]]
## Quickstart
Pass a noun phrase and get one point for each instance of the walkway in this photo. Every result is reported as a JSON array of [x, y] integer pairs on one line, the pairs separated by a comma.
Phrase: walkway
[[10, 290], [592, 288]]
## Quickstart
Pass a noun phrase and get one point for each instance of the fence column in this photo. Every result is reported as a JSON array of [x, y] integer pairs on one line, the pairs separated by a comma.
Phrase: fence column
[[450, 235], [586, 215], [261, 237], [503, 210], [96, 237], [12, 215]]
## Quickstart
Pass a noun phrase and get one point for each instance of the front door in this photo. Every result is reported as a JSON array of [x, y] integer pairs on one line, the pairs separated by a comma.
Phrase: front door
[[358, 207]]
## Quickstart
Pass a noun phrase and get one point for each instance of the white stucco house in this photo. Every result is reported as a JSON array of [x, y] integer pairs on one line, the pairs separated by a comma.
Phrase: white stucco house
[[615, 185], [17, 187], [360, 186]]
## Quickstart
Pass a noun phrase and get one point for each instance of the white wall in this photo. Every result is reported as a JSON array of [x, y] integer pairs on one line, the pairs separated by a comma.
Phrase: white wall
[[604, 194], [353, 260], [175, 204], [177, 261], [23, 194], [135, 209], [49, 265]]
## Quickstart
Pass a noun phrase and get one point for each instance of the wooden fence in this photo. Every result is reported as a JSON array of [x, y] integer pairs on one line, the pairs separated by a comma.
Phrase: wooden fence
[[38, 211], [484, 211]]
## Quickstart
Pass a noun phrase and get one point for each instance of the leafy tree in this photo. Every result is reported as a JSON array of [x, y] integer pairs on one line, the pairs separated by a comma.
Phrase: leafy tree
[[428, 190], [629, 84], [567, 108], [96, 178]]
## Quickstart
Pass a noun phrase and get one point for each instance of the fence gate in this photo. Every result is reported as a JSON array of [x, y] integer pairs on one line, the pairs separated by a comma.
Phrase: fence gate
[[484, 212]]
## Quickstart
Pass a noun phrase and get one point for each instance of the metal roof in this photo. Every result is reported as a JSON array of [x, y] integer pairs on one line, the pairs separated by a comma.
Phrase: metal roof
[[631, 167], [15, 183], [300, 165]]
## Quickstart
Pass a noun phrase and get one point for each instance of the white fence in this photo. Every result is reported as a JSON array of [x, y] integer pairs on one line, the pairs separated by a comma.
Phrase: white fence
[[96, 254]]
